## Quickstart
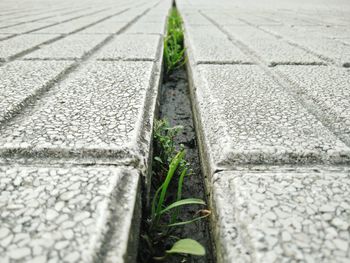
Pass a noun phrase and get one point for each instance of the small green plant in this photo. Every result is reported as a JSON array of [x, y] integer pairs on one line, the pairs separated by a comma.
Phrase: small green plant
[[166, 207], [174, 50], [164, 145]]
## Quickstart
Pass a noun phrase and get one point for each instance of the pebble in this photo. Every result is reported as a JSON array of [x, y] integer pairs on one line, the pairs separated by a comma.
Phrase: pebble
[[339, 223], [4, 232], [341, 244], [286, 237], [61, 244], [39, 259], [51, 214], [327, 208], [72, 257], [19, 253], [68, 234]]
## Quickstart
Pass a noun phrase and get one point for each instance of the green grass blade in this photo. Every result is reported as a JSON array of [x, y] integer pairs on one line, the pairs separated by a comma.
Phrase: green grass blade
[[188, 201], [172, 168], [179, 193], [153, 208]]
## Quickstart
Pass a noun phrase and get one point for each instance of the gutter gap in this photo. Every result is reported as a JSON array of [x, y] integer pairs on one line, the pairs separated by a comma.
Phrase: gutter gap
[[175, 106]]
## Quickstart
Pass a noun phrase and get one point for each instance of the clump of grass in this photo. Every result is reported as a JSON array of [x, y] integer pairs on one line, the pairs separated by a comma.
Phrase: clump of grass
[[174, 50], [172, 168]]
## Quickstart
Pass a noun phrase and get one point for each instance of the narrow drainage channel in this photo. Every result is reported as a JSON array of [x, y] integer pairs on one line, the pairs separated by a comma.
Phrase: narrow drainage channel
[[175, 107], [175, 225]]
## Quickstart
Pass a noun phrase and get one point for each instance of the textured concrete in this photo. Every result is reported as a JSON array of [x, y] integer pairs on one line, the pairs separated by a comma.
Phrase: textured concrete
[[22, 80], [283, 215], [249, 118], [273, 135], [270, 93], [75, 126], [66, 214], [81, 117]]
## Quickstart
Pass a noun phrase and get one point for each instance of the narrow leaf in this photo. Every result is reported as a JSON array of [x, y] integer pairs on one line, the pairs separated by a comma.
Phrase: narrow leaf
[[189, 201], [187, 222], [187, 246]]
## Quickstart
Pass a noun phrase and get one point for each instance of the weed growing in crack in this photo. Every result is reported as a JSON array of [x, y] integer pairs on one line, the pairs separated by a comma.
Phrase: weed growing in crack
[[164, 145], [169, 173], [174, 50]]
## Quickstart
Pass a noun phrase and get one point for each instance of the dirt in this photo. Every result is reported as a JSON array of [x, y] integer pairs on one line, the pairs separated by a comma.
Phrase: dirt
[[175, 106]]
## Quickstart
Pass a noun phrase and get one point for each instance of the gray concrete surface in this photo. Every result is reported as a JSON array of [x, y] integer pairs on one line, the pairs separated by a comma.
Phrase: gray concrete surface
[[75, 126], [270, 90], [52, 214], [273, 135]]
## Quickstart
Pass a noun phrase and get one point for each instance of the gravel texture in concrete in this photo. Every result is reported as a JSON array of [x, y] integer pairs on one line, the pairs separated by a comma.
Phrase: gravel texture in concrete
[[75, 129], [273, 135]]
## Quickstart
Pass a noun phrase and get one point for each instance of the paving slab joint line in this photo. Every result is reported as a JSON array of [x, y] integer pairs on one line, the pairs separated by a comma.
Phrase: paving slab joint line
[[288, 87], [274, 64], [50, 59], [54, 24], [25, 52], [224, 63], [127, 59], [43, 18]]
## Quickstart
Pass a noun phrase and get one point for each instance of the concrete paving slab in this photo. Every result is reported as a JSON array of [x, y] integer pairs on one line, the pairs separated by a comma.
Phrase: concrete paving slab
[[248, 118], [96, 113], [57, 203], [209, 45], [50, 214], [283, 214], [21, 81], [19, 44], [70, 47], [271, 116], [131, 47]]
